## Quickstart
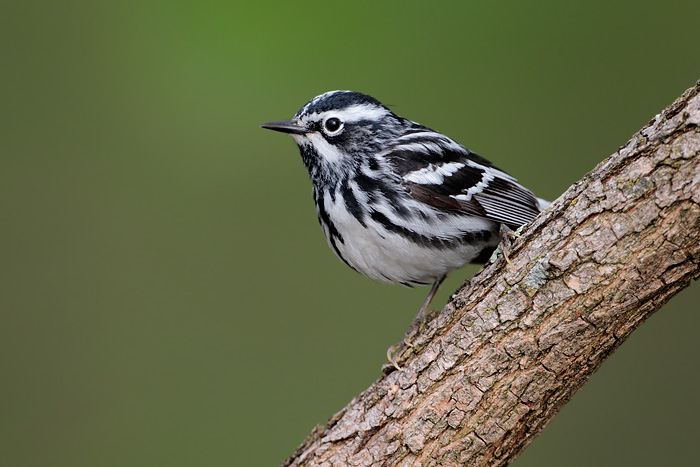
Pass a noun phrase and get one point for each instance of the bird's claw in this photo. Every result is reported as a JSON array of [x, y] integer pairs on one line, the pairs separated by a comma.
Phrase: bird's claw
[[507, 235]]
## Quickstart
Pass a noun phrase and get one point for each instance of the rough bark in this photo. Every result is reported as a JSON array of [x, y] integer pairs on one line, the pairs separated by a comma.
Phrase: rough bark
[[489, 371]]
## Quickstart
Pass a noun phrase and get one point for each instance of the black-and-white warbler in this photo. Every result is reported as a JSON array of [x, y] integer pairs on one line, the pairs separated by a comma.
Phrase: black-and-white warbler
[[398, 202]]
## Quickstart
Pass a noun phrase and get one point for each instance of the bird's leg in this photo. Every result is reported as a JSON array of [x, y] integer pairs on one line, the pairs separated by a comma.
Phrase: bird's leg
[[507, 235], [393, 352], [420, 317]]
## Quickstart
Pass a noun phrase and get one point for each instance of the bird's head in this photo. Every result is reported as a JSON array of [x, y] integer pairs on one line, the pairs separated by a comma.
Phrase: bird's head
[[340, 129]]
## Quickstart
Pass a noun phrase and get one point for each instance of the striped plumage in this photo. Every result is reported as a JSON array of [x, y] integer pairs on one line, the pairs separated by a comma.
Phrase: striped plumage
[[399, 202]]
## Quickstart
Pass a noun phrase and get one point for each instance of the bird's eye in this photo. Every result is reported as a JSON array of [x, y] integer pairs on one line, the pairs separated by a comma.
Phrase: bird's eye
[[333, 125]]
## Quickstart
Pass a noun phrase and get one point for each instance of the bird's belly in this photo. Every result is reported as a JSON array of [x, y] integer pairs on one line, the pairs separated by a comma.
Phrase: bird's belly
[[394, 257]]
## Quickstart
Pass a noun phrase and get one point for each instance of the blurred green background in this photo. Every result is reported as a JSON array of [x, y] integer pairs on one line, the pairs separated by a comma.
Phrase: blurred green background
[[167, 295]]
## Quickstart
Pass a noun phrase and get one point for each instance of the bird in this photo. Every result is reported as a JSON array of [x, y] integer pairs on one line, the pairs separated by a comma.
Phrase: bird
[[398, 202]]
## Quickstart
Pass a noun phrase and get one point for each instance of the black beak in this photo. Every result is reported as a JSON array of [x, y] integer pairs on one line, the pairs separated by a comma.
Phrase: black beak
[[285, 127]]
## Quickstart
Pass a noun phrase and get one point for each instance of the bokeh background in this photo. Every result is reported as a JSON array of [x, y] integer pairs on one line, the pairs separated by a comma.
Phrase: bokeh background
[[166, 294]]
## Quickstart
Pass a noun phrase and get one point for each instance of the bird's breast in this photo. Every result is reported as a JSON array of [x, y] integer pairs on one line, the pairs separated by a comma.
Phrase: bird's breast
[[401, 248]]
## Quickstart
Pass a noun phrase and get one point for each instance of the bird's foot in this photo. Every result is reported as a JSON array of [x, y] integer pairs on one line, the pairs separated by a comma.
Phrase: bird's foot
[[507, 237], [398, 351]]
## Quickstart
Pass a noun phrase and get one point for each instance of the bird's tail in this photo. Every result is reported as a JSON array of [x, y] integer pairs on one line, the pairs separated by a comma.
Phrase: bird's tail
[[544, 204]]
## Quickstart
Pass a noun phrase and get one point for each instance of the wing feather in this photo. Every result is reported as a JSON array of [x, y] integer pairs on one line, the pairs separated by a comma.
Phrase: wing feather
[[441, 173]]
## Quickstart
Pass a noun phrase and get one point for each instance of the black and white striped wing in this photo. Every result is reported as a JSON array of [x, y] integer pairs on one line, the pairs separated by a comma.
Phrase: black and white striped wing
[[439, 172]]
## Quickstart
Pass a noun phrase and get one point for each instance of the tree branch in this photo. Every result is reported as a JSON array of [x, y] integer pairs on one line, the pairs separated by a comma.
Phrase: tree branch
[[489, 371]]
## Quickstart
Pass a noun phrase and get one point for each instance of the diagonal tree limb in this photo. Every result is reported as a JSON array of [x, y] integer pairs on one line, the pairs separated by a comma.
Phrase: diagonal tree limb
[[489, 371]]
